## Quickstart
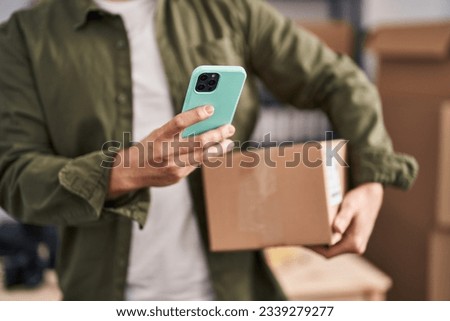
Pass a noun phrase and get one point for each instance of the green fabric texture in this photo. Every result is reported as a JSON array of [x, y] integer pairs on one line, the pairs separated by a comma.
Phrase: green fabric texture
[[66, 89]]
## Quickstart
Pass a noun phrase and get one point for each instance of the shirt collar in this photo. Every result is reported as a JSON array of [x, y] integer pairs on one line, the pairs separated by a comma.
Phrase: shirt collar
[[81, 10]]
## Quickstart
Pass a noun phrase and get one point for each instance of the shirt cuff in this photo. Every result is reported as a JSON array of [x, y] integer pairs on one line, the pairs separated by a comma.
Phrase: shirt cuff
[[88, 177], [85, 177], [381, 166], [133, 206]]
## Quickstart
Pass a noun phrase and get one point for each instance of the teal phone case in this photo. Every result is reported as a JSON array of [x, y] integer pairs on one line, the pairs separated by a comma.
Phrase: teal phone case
[[224, 98]]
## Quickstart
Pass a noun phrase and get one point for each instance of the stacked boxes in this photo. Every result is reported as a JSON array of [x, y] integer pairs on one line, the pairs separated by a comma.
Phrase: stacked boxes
[[443, 194], [439, 264], [414, 80]]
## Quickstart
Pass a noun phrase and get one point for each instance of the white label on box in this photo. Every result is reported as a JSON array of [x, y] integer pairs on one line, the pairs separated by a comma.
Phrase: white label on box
[[334, 183]]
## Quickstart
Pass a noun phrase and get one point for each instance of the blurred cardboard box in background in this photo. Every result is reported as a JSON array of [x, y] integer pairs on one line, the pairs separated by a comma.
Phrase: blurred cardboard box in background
[[255, 203], [443, 207], [414, 80], [338, 35], [414, 59], [439, 276], [439, 247], [305, 275]]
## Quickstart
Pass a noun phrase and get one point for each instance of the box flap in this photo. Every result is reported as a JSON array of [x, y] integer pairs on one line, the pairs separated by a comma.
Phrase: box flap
[[419, 41], [338, 35]]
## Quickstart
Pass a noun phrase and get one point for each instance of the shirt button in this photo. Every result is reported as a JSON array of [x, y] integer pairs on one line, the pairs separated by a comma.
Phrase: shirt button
[[121, 98], [121, 44]]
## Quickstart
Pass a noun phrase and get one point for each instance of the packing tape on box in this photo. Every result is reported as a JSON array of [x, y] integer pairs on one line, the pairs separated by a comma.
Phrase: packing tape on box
[[256, 189]]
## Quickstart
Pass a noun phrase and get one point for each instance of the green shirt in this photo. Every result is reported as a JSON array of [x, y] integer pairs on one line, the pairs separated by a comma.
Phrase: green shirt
[[65, 89]]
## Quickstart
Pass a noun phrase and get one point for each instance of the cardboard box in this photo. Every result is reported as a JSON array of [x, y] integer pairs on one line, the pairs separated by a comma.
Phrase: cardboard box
[[443, 193], [439, 266], [305, 275], [338, 35], [256, 204], [413, 59], [413, 78]]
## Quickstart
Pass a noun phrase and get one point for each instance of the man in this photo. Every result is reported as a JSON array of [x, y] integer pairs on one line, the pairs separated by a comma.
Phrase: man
[[75, 74]]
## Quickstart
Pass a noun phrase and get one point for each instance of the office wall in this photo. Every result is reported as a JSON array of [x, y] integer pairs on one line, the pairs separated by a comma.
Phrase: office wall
[[304, 10], [374, 13], [377, 12]]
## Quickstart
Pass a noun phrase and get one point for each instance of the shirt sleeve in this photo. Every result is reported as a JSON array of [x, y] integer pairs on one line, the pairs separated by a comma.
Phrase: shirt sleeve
[[36, 185], [300, 70]]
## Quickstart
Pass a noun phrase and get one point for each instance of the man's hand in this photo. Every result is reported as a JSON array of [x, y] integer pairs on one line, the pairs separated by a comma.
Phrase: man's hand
[[163, 157], [355, 220]]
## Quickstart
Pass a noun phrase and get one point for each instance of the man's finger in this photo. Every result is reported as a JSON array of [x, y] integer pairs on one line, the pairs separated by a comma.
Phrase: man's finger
[[351, 242], [343, 246], [215, 136], [187, 170], [203, 141], [182, 121], [200, 156], [343, 218], [219, 149]]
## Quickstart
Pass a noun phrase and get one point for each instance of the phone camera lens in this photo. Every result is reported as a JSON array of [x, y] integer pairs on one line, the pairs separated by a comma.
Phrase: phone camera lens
[[210, 88], [203, 77], [212, 82], [201, 87]]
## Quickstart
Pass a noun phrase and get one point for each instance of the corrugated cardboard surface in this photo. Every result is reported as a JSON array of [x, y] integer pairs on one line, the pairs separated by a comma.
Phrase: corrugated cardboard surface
[[338, 35], [252, 207], [443, 194], [439, 266]]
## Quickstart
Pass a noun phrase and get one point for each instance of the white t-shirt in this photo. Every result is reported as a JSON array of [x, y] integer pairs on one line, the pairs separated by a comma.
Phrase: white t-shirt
[[167, 260], [4, 218]]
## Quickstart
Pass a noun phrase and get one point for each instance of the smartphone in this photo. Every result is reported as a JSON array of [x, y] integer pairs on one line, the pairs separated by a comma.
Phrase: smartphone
[[218, 86]]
